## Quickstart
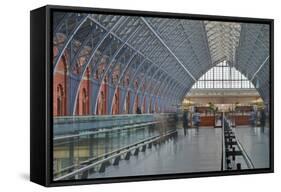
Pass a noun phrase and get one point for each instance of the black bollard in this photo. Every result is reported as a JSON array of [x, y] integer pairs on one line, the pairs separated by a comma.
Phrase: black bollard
[[228, 163], [116, 160], [128, 155], [102, 167], [143, 148], [91, 171], [238, 166], [136, 151], [84, 175]]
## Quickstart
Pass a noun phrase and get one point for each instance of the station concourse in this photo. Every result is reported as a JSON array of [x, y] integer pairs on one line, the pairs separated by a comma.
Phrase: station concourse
[[146, 95]]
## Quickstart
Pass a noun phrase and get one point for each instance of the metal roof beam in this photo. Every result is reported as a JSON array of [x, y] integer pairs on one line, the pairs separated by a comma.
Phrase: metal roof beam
[[164, 44]]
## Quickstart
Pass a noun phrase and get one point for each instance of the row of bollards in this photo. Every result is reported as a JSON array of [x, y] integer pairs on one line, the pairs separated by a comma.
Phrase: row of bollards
[[126, 156], [231, 148]]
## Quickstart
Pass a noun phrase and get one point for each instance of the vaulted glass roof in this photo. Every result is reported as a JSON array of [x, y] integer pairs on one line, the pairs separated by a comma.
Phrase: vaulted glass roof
[[223, 39], [166, 55]]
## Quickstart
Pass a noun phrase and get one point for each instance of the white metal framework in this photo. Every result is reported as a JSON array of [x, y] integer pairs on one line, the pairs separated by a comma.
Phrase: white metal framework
[[223, 76], [164, 56], [223, 39]]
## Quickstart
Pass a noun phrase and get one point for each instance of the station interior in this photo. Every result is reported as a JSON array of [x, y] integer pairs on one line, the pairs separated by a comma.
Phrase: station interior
[[143, 95]]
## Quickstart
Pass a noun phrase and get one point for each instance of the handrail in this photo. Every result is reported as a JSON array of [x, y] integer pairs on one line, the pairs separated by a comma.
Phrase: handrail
[[107, 154], [97, 117], [113, 154], [72, 125], [103, 131]]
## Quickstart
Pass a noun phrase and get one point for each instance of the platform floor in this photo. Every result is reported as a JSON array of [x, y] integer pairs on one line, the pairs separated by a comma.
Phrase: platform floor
[[256, 144], [198, 151]]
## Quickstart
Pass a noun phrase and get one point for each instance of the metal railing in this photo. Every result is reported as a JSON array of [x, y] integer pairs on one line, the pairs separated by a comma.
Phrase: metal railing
[[67, 125], [119, 128], [101, 156], [115, 155], [94, 132]]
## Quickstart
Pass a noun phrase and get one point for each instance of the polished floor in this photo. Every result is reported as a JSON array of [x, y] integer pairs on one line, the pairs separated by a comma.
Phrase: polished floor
[[197, 151], [256, 144], [193, 151]]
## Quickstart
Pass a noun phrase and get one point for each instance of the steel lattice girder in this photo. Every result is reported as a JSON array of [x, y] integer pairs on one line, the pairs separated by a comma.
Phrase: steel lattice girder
[[182, 50], [252, 56], [223, 38]]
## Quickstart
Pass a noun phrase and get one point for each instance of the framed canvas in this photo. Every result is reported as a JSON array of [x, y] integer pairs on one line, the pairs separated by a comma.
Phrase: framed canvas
[[125, 95]]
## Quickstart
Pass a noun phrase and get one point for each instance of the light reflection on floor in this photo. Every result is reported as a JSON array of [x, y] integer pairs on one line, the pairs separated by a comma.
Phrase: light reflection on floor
[[197, 151], [256, 144]]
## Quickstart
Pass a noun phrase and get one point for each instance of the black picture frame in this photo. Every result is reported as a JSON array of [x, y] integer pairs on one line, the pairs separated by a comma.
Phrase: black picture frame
[[41, 99]]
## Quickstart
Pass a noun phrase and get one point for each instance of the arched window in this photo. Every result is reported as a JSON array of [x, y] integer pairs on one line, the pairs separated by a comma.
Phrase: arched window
[[103, 100], [102, 103], [137, 97], [136, 103], [60, 100], [84, 102], [60, 88], [127, 103], [102, 96], [115, 108]]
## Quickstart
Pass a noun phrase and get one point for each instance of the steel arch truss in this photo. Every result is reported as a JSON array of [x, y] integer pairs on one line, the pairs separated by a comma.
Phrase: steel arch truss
[[252, 56], [223, 39], [153, 61]]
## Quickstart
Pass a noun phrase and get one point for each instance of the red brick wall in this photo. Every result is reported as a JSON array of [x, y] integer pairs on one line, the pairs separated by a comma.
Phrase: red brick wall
[[128, 100], [115, 104], [83, 102], [136, 104], [102, 104], [59, 87], [83, 97]]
